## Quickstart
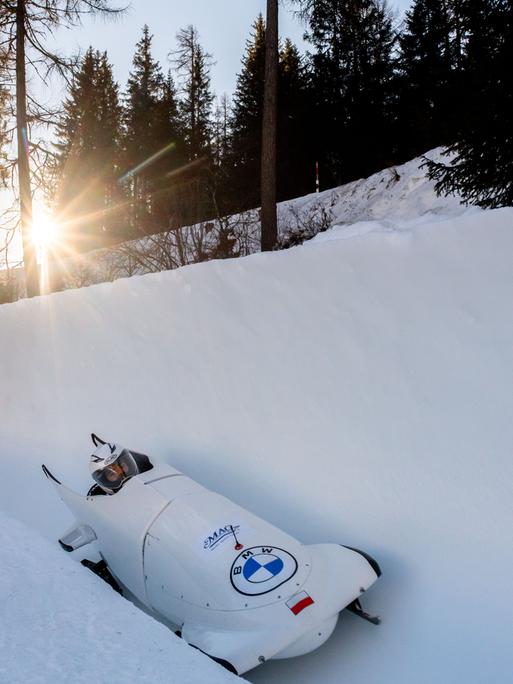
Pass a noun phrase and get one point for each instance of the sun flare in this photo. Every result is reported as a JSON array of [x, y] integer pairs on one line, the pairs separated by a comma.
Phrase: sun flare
[[44, 231]]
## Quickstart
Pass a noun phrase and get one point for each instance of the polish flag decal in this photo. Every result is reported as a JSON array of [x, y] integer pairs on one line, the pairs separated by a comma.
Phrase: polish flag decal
[[299, 602]]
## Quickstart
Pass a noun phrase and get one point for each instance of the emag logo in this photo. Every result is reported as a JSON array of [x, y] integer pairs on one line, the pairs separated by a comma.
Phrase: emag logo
[[218, 536]]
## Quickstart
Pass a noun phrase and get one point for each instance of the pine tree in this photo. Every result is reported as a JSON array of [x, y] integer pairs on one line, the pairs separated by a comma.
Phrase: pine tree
[[221, 130], [168, 129], [194, 182], [88, 155], [352, 80], [220, 177], [481, 170], [193, 65], [141, 103], [246, 121], [152, 139], [296, 155], [427, 103], [296, 159]]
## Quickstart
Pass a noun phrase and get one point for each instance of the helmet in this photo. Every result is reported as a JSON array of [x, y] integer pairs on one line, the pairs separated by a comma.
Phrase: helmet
[[111, 465]]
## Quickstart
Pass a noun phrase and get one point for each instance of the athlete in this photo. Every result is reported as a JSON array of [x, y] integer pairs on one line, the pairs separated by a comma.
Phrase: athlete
[[111, 465]]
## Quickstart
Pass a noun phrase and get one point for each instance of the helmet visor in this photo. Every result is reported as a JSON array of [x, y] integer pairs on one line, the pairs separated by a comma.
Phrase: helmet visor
[[112, 476]]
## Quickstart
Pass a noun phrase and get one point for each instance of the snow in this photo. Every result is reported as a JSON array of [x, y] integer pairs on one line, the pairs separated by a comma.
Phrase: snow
[[61, 624], [394, 196], [397, 194], [356, 389]]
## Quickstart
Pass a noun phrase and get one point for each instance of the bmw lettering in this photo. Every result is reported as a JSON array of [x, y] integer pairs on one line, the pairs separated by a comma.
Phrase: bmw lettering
[[261, 569]]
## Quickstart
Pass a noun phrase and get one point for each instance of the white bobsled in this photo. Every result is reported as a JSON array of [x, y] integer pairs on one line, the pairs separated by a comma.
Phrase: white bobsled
[[238, 588]]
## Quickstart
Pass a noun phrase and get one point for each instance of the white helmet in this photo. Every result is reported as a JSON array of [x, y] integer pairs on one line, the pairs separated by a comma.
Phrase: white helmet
[[111, 465]]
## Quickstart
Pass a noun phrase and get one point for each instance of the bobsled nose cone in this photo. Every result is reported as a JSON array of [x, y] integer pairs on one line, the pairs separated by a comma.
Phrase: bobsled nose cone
[[370, 560]]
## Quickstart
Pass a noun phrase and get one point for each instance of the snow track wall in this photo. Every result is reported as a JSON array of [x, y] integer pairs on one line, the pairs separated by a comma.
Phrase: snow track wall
[[353, 390]]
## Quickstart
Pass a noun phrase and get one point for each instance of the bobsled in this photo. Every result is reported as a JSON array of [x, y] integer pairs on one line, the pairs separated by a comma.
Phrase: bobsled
[[233, 585]]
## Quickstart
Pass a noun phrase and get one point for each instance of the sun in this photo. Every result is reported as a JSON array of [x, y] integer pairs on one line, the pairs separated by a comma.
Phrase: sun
[[44, 230]]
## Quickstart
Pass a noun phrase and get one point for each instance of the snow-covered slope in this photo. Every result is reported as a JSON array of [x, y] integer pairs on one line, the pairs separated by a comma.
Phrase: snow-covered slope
[[356, 389], [395, 194], [60, 624], [391, 196]]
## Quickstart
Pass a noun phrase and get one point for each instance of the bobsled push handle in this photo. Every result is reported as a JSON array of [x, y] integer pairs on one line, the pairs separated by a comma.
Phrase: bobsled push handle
[[76, 537], [97, 441], [49, 474]]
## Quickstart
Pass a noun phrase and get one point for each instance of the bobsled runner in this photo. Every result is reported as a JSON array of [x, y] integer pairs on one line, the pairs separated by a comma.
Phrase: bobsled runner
[[235, 587]]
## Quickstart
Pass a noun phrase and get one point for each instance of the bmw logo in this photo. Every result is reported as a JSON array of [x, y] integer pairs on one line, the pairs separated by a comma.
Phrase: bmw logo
[[261, 569]]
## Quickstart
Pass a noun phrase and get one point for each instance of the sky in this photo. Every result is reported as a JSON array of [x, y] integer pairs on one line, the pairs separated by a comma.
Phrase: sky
[[224, 26]]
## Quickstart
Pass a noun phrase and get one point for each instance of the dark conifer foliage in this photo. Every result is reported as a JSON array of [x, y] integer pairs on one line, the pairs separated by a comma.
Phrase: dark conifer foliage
[[166, 204], [143, 93], [193, 65], [482, 166], [221, 131], [246, 122], [220, 169], [427, 80], [88, 196], [152, 140], [352, 80], [296, 158], [195, 183], [296, 152]]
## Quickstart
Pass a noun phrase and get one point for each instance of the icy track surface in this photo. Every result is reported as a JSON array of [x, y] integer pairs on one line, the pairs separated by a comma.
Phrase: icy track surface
[[357, 389]]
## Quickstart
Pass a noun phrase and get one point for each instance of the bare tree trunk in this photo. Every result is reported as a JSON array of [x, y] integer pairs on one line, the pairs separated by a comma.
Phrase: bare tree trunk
[[193, 95], [29, 250], [268, 171]]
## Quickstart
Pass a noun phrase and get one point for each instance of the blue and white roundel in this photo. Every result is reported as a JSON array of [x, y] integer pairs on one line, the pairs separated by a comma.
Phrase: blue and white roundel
[[261, 569]]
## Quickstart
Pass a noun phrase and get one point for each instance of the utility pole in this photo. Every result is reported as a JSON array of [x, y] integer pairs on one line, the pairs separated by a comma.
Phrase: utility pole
[[29, 249], [268, 170]]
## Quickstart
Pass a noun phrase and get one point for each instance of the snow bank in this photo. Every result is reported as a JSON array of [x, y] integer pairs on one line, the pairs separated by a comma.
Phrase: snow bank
[[352, 390], [399, 193], [59, 623], [395, 195]]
